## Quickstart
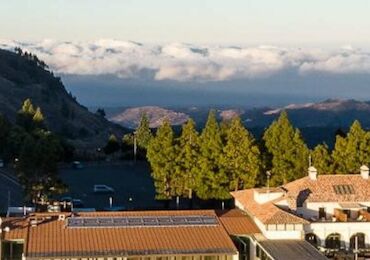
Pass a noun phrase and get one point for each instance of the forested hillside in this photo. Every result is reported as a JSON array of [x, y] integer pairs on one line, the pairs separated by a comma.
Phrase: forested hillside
[[23, 76]]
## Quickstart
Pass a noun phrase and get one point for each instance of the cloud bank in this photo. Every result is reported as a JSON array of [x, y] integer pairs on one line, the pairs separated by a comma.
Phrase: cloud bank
[[187, 62]]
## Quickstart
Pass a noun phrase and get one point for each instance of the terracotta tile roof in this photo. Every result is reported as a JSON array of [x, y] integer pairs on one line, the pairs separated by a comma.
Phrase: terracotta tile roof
[[267, 213], [323, 189], [236, 222], [52, 238]]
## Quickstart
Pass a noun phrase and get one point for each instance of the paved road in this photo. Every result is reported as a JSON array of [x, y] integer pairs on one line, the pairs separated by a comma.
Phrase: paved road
[[9, 189]]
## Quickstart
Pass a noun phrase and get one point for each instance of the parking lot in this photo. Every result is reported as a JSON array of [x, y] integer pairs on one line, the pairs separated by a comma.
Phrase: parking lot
[[129, 180], [10, 191]]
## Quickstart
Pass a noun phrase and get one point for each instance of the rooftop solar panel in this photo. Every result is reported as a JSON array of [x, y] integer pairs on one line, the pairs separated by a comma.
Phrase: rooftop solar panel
[[137, 221]]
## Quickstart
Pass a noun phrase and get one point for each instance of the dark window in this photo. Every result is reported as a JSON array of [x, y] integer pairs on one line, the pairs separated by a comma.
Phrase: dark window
[[333, 241], [322, 213], [12, 250], [360, 237], [347, 212], [311, 238]]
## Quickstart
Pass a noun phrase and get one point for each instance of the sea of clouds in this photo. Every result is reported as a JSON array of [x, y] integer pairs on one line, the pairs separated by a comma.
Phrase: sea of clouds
[[188, 62]]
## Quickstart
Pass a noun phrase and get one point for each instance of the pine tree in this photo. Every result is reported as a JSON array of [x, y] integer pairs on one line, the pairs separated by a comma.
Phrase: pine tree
[[25, 115], [352, 151], [321, 159], [241, 157], [161, 156], [143, 132], [212, 182], [27, 107], [186, 163], [38, 117], [112, 145], [288, 152]]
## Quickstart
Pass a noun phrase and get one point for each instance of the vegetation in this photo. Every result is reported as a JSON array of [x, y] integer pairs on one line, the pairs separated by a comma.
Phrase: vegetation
[[35, 152], [161, 154], [226, 157], [287, 151]]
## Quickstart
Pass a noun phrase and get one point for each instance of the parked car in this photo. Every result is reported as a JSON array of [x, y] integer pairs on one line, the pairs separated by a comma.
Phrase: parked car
[[66, 199], [102, 188], [77, 165], [77, 203]]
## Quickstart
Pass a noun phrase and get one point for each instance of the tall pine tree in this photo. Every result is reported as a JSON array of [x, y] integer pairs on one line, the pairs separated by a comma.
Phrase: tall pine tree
[[321, 159], [352, 151], [143, 132], [212, 182], [161, 156], [187, 155], [288, 152], [241, 157]]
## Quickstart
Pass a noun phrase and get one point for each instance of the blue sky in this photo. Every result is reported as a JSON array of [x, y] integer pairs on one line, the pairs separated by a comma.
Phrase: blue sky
[[285, 22]]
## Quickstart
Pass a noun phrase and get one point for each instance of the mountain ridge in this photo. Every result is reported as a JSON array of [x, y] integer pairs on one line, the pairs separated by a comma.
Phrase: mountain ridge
[[23, 76]]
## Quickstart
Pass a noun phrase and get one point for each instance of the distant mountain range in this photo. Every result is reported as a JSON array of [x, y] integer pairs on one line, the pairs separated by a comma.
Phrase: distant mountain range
[[335, 113], [331, 112], [131, 117]]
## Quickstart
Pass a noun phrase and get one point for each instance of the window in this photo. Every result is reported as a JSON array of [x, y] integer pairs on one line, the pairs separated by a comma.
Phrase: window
[[322, 213], [358, 238], [333, 241], [12, 250], [344, 189], [347, 212], [311, 238]]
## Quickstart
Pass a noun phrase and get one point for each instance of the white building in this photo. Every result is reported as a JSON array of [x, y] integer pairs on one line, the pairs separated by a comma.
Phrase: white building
[[329, 211]]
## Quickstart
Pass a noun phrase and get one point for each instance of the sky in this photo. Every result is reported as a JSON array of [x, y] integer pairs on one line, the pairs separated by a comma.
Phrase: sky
[[191, 52], [285, 22]]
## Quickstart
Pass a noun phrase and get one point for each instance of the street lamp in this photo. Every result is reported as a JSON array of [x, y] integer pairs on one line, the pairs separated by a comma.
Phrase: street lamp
[[135, 146], [268, 174]]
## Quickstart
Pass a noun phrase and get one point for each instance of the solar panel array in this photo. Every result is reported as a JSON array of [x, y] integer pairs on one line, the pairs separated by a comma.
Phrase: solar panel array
[[344, 189], [146, 221]]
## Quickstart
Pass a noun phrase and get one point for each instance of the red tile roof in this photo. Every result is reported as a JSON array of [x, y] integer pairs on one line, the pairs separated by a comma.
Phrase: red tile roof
[[267, 213], [52, 238], [236, 222], [322, 189]]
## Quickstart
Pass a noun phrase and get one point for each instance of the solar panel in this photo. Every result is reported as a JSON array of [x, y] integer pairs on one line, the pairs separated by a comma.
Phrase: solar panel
[[137, 221], [344, 189]]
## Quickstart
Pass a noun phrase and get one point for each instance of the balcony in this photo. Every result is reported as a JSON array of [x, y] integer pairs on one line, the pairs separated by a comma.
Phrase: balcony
[[342, 215]]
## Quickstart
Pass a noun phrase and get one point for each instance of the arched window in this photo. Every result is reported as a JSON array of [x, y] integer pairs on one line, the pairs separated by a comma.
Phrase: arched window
[[332, 241], [360, 237], [312, 239]]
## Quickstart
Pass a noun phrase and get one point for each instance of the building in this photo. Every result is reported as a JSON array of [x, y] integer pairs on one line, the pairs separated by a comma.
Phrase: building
[[200, 234], [329, 211]]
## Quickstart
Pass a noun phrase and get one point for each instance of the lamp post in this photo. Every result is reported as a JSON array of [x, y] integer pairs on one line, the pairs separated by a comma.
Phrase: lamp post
[[135, 146], [268, 174]]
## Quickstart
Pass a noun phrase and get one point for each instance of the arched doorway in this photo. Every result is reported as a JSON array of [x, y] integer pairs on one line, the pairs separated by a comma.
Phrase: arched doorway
[[312, 239], [360, 237], [332, 241]]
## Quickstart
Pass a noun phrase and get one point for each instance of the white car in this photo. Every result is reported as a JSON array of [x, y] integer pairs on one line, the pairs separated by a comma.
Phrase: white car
[[101, 188]]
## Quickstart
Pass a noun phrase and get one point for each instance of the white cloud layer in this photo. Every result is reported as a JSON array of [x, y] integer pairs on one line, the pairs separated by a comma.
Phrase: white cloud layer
[[186, 62]]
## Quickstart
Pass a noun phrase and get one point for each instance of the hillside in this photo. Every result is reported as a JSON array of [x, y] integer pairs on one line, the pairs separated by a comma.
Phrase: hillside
[[24, 76], [331, 112], [131, 117]]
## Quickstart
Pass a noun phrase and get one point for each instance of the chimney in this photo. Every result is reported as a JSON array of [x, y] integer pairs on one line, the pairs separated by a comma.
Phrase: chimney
[[364, 171], [312, 173]]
